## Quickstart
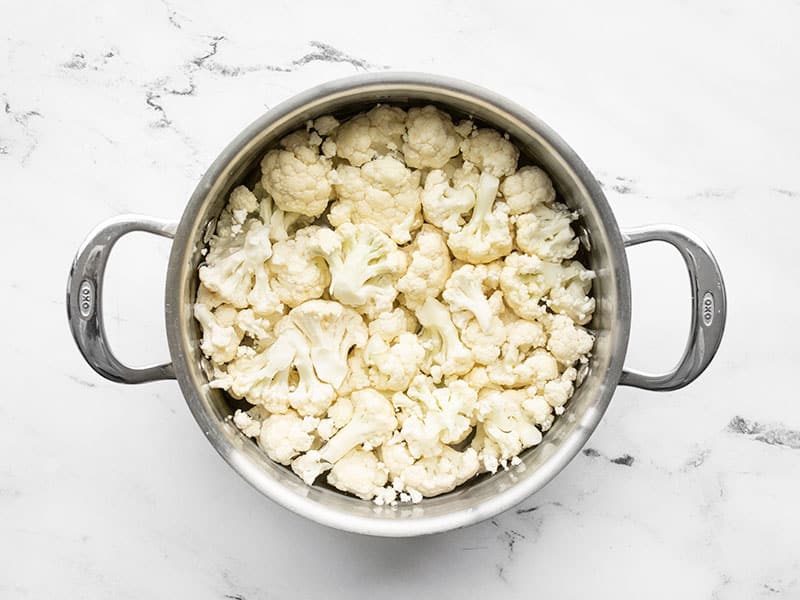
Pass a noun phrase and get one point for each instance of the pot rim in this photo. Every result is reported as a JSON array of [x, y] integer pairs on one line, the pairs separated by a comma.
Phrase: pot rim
[[179, 262]]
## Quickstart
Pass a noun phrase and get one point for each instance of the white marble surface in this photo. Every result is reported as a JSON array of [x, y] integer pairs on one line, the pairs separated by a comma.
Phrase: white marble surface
[[686, 111]]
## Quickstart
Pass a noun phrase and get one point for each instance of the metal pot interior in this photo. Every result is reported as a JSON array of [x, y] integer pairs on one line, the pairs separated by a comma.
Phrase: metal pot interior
[[488, 494]]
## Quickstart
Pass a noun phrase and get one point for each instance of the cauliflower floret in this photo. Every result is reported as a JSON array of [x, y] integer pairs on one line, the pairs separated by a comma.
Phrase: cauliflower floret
[[382, 193], [558, 391], [434, 475], [445, 205], [284, 436], [504, 423], [337, 417], [249, 422], [280, 376], [528, 187], [357, 374], [259, 328], [236, 269], [332, 331], [484, 342], [491, 152], [569, 291], [445, 353], [360, 473], [521, 362], [467, 288], [298, 176], [537, 408], [487, 236], [372, 423], [431, 139], [364, 264], [393, 352], [428, 269], [567, 342], [282, 224], [298, 274], [325, 125], [241, 204], [524, 285], [432, 415], [545, 232], [370, 134], [221, 335], [393, 365]]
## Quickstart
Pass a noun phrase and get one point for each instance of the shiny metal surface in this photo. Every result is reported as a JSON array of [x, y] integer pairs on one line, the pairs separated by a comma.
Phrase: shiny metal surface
[[487, 495], [709, 307], [85, 293]]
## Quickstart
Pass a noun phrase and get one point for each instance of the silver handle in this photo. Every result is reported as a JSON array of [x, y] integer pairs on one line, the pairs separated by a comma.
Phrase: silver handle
[[709, 307], [85, 291]]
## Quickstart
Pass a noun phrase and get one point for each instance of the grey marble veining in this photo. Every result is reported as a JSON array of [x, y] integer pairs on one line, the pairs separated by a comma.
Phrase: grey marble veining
[[685, 113]]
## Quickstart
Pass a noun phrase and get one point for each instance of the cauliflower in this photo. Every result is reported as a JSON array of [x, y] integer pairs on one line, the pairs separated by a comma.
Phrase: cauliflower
[[504, 424], [484, 342], [249, 422], [428, 269], [445, 354], [445, 205], [370, 134], [393, 352], [432, 475], [524, 285], [382, 193], [364, 265], [527, 188], [431, 140], [565, 341], [284, 436], [401, 372], [487, 236], [568, 294], [298, 176], [281, 376], [432, 415], [545, 232], [332, 330], [466, 290], [360, 473], [491, 152], [372, 423], [236, 270], [338, 415], [298, 274], [221, 335]]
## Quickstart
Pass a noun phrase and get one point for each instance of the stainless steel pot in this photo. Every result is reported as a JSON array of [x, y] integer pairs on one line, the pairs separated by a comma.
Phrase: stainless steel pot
[[485, 496]]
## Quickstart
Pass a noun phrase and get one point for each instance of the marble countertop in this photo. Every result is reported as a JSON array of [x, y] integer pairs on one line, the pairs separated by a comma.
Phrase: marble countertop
[[687, 114]]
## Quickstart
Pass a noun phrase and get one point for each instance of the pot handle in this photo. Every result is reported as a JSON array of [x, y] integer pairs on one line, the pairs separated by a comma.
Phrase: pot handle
[[85, 292], [709, 307]]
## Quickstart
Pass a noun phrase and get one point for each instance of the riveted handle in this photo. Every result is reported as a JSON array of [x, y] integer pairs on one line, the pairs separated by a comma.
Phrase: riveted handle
[[709, 307], [85, 290]]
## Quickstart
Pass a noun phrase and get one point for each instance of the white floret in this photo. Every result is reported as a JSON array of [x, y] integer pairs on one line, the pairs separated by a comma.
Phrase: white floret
[[445, 353], [569, 291], [332, 331], [431, 139], [566, 341], [221, 334], [360, 473], [364, 265], [545, 232], [370, 134], [487, 235], [491, 152], [372, 423], [298, 274], [284, 436], [297, 176], [428, 268], [527, 188], [383, 193]]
